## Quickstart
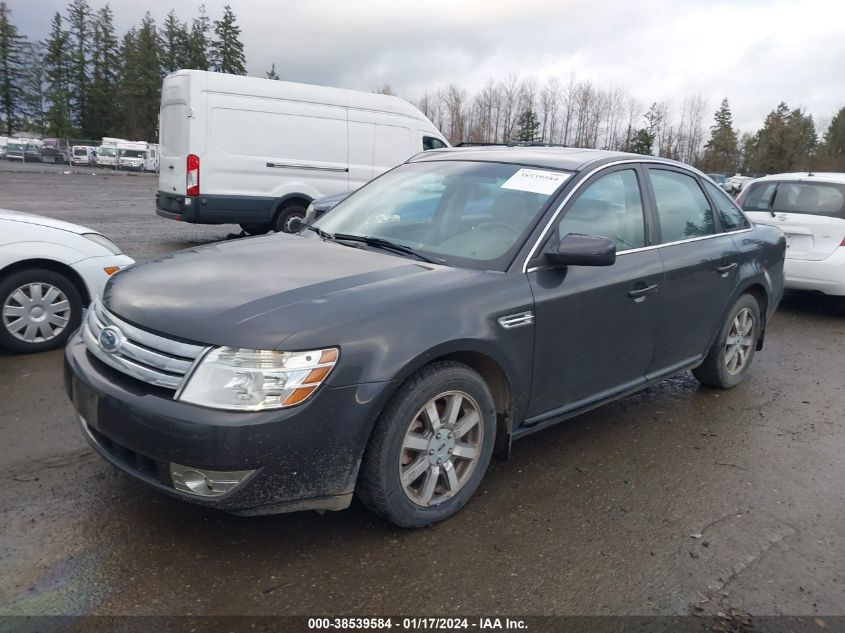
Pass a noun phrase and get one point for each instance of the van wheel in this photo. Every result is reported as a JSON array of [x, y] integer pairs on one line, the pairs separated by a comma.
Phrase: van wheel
[[255, 229], [431, 446], [39, 309], [286, 217], [729, 359]]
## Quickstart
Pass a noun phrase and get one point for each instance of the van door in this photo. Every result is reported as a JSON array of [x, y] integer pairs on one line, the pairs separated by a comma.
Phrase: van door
[[361, 146], [393, 146], [173, 148]]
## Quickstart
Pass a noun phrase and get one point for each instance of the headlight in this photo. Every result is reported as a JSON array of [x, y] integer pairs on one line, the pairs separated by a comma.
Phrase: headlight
[[254, 380], [103, 241]]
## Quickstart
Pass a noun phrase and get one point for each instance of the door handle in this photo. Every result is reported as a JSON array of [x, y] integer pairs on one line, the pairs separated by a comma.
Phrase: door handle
[[724, 270], [638, 294]]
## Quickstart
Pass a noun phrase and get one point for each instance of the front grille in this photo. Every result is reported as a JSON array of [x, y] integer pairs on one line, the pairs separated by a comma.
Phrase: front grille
[[153, 359]]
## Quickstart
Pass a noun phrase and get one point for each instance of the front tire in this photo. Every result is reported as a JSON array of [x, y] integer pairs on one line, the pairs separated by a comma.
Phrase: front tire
[[430, 447], [730, 357], [39, 309]]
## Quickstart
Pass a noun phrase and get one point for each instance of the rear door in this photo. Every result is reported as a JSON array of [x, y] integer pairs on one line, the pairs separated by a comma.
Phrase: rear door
[[700, 266], [811, 214]]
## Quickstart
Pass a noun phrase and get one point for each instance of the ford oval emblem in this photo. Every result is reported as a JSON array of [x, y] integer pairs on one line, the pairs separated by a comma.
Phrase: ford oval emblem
[[110, 339]]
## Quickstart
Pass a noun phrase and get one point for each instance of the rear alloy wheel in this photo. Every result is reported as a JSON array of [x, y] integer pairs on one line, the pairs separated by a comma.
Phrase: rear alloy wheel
[[730, 356], [431, 446], [39, 310], [286, 221]]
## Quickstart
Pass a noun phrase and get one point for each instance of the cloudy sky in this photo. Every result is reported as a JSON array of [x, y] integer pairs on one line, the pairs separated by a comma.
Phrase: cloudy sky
[[755, 52]]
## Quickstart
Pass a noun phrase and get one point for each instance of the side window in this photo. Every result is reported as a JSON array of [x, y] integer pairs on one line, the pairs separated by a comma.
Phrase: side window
[[430, 142], [759, 197], [682, 207], [609, 207], [732, 218]]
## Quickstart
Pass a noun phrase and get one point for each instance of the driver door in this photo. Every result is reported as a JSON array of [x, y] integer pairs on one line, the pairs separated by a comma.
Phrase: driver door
[[595, 326]]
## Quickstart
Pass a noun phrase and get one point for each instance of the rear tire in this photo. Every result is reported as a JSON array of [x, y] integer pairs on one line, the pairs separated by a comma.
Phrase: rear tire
[[729, 359], [39, 310], [255, 229], [286, 216], [430, 448]]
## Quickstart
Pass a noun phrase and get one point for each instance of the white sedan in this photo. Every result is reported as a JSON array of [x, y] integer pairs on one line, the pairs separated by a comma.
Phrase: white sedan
[[49, 272]]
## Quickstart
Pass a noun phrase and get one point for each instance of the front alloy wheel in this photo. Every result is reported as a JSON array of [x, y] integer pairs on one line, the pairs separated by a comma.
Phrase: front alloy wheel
[[441, 448], [430, 447]]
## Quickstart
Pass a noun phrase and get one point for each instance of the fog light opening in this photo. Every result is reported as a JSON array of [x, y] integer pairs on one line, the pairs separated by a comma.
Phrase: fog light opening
[[206, 483]]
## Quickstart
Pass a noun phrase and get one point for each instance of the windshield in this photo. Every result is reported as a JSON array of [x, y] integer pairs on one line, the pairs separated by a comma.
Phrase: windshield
[[471, 214], [79, 151], [106, 151], [132, 153]]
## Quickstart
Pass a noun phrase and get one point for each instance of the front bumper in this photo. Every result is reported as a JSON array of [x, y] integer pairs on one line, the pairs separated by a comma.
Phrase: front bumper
[[306, 457]]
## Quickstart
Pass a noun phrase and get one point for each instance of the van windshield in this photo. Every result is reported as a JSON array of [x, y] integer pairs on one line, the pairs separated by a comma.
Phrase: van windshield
[[132, 153], [470, 214]]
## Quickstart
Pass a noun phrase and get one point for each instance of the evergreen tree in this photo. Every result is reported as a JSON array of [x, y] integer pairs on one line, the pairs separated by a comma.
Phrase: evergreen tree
[[12, 73], [34, 98], [785, 142], [140, 90], [272, 74], [79, 41], [769, 142], [198, 42], [57, 75], [643, 141], [527, 126], [644, 137], [175, 44], [105, 61], [833, 154], [800, 140], [721, 152], [227, 50]]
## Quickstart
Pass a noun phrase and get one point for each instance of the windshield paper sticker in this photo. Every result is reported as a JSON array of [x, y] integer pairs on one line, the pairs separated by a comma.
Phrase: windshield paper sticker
[[535, 180]]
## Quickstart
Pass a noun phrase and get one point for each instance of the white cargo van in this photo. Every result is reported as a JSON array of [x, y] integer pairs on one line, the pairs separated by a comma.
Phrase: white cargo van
[[256, 152]]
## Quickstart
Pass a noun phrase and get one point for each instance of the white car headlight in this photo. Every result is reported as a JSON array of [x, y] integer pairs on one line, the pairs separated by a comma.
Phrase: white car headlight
[[255, 380]]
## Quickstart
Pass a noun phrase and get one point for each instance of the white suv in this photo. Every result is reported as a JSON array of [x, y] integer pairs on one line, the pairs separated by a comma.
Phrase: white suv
[[810, 209]]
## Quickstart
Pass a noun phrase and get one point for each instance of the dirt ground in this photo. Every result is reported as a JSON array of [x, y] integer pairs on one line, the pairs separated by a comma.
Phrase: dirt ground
[[677, 500]]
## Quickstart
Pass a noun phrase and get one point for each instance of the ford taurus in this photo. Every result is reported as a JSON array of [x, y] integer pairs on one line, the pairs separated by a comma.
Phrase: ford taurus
[[460, 301]]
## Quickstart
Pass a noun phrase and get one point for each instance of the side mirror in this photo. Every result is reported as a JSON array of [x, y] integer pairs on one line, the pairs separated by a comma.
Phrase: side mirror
[[577, 249]]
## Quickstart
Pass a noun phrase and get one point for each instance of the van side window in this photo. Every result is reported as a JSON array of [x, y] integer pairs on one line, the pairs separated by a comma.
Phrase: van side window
[[430, 142]]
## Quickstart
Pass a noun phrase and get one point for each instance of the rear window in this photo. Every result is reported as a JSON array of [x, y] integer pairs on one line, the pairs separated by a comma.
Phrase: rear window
[[825, 199]]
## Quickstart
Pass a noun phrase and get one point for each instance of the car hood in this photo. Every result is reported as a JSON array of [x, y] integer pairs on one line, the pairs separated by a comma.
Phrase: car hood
[[40, 220], [256, 292]]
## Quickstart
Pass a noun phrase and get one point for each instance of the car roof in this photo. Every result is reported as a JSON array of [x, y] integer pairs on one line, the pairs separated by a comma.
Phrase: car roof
[[565, 158], [831, 177]]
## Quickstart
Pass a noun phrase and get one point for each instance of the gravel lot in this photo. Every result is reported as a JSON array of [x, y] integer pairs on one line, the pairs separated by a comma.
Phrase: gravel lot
[[677, 500]]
